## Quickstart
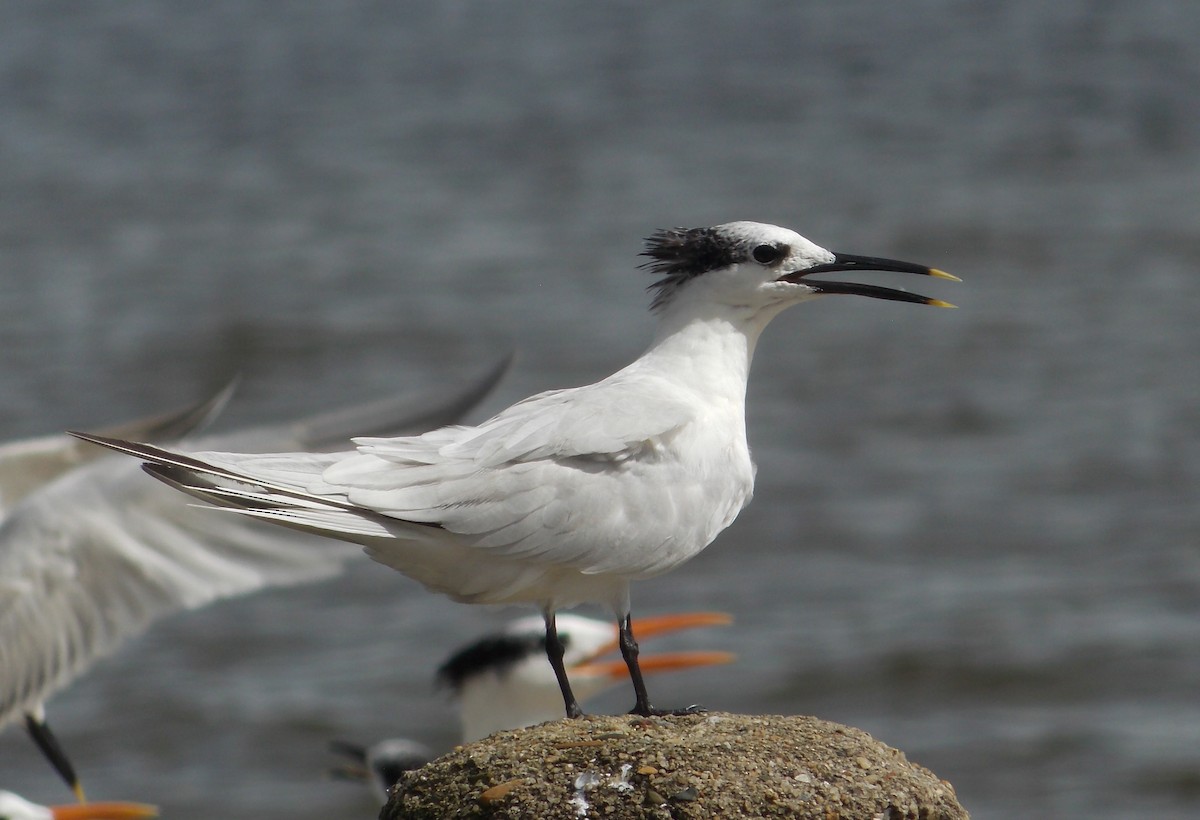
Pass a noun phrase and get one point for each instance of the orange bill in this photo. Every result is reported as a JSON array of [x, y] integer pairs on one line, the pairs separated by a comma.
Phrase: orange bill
[[103, 811], [660, 625], [650, 664]]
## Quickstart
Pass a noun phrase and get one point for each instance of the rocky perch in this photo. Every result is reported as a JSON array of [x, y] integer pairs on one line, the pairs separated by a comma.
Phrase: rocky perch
[[710, 765]]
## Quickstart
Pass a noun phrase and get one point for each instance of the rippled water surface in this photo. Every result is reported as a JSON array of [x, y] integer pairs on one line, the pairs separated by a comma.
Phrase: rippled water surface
[[975, 532]]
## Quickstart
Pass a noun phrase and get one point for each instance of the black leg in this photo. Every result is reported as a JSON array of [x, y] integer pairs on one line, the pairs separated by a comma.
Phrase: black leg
[[554, 652], [629, 651], [48, 743]]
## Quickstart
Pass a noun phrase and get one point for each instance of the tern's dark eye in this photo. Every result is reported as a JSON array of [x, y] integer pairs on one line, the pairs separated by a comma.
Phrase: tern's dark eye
[[767, 254]]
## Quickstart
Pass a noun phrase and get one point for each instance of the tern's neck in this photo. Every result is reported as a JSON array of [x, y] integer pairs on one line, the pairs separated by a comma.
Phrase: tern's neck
[[709, 346]]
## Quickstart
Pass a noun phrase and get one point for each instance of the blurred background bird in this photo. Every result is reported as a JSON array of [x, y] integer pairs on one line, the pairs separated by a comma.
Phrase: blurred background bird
[[91, 555], [15, 807]]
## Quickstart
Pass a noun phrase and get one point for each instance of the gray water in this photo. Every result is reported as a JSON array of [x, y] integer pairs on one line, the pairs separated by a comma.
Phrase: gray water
[[975, 531]]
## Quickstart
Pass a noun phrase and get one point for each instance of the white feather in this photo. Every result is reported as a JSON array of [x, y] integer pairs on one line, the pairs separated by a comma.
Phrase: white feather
[[97, 553]]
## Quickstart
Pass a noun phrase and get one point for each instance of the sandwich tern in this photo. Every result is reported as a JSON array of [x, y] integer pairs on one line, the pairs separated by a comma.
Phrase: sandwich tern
[[569, 495]]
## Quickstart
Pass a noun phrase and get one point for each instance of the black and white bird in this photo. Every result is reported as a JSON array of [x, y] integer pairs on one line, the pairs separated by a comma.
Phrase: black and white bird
[[381, 764], [503, 681], [15, 807], [567, 496], [91, 553]]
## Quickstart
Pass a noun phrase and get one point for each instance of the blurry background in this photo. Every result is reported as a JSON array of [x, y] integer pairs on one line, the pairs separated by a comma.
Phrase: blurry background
[[975, 531]]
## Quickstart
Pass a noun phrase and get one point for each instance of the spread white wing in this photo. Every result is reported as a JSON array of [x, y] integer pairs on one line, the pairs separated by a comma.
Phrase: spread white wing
[[101, 552]]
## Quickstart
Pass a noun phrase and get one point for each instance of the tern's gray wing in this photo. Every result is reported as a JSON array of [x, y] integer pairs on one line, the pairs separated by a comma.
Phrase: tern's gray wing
[[516, 485], [99, 554], [614, 477], [589, 478], [28, 464], [582, 422]]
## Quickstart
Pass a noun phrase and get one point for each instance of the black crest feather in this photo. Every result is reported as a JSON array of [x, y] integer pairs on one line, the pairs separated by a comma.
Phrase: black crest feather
[[680, 254]]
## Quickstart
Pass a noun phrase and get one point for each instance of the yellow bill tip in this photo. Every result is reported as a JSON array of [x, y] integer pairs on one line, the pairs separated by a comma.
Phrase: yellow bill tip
[[941, 274], [940, 303]]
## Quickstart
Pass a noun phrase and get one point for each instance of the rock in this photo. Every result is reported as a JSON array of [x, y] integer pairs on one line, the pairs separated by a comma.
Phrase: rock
[[710, 765]]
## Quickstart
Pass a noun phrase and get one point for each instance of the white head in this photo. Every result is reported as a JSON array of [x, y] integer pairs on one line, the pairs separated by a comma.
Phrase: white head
[[758, 266], [503, 681]]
